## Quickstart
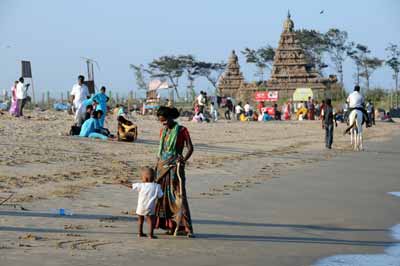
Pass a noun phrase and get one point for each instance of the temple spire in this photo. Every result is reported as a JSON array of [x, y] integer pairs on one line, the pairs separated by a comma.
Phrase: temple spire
[[288, 25]]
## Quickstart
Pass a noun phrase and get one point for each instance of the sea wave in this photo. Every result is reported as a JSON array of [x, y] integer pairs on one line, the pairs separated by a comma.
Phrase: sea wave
[[390, 257]]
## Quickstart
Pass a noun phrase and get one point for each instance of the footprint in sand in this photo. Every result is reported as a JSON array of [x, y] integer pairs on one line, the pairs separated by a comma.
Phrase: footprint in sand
[[31, 237], [74, 227]]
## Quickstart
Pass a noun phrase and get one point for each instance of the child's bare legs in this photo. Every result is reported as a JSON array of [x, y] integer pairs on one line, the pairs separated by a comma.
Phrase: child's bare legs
[[150, 222], [140, 226]]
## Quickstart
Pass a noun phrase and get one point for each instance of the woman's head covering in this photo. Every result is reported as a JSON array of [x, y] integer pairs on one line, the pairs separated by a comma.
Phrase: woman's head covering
[[168, 112]]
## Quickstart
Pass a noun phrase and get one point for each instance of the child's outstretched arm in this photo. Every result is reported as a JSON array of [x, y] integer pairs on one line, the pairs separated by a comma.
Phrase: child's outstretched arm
[[126, 183]]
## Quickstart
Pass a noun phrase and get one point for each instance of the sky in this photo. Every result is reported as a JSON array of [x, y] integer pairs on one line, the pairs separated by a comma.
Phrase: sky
[[54, 35]]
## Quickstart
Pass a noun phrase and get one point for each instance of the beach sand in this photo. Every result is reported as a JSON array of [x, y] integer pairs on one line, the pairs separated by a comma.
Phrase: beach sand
[[259, 193]]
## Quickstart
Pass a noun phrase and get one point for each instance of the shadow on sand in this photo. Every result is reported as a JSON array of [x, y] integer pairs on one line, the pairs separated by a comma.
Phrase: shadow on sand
[[220, 237]]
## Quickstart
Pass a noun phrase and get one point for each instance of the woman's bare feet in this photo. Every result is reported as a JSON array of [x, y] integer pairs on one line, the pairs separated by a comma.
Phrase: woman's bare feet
[[152, 237], [141, 235]]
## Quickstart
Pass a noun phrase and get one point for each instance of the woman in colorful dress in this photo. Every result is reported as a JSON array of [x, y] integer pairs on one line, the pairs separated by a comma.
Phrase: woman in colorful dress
[[172, 209], [14, 109]]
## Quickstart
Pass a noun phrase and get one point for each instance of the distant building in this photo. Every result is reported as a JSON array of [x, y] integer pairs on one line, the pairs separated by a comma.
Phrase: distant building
[[232, 79], [291, 70]]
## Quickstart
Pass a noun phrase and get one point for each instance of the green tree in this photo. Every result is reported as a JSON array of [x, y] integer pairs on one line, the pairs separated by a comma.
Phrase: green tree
[[170, 68], [376, 94], [262, 58], [315, 46], [189, 65], [365, 64], [393, 61], [370, 64], [211, 72], [338, 47], [141, 74], [356, 55]]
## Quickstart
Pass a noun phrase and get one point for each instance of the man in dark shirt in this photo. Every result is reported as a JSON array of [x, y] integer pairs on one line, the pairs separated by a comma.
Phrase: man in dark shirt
[[229, 109], [328, 119]]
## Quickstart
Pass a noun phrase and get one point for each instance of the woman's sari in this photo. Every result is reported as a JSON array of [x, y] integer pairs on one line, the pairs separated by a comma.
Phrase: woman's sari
[[172, 210], [14, 109]]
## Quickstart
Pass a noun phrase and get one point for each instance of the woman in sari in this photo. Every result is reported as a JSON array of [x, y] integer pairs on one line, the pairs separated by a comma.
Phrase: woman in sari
[[172, 210], [14, 109]]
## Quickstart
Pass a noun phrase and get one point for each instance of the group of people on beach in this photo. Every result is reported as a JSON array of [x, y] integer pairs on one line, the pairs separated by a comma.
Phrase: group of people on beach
[[90, 114], [89, 111], [162, 200]]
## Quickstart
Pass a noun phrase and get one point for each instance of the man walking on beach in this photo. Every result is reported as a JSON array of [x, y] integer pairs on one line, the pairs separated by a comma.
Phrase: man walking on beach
[[328, 118], [79, 93], [21, 94], [371, 112]]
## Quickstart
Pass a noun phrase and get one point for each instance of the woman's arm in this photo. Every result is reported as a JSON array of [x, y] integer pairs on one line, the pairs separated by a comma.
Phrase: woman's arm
[[189, 146]]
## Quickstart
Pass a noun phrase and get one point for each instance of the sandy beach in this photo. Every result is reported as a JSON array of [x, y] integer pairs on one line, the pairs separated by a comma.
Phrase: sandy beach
[[260, 194]]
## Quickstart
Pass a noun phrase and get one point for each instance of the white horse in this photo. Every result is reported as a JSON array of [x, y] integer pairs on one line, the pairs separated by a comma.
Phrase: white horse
[[356, 118]]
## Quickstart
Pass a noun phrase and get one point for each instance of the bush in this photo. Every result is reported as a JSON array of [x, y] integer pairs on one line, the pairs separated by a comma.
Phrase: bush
[[375, 95]]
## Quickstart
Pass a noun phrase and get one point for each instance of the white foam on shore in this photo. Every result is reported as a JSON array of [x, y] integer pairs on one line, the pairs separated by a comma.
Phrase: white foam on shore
[[391, 257], [397, 194]]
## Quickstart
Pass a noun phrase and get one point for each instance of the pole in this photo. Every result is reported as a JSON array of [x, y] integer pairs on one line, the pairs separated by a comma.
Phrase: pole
[[48, 99], [397, 90], [92, 71], [33, 92], [88, 69]]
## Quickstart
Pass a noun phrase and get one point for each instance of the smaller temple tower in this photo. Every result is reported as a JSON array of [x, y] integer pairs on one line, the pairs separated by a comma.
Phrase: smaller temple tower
[[232, 79]]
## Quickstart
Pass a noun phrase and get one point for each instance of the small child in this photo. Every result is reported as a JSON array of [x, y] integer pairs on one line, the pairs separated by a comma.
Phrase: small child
[[149, 193]]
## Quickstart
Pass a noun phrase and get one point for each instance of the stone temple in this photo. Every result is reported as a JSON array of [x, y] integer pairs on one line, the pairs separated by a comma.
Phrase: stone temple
[[291, 70], [232, 79]]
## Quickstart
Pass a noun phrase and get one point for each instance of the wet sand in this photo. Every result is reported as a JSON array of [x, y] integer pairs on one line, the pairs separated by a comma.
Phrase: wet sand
[[260, 194]]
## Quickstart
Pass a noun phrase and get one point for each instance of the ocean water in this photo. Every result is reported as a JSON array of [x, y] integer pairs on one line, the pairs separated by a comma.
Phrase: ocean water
[[390, 257], [397, 194]]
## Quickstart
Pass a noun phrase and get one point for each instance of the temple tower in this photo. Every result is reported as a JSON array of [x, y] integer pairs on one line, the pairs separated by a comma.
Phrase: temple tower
[[291, 68], [232, 79]]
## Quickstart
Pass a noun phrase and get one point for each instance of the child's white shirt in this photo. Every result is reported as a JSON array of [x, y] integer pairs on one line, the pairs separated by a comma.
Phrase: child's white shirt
[[148, 195]]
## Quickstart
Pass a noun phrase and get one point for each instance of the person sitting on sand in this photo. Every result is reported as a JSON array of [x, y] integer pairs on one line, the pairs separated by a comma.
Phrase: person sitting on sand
[[198, 117], [75, 129], [388, 118], [266, 117], [127, 131], [91, 129], [149, 193], [89, 106]]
